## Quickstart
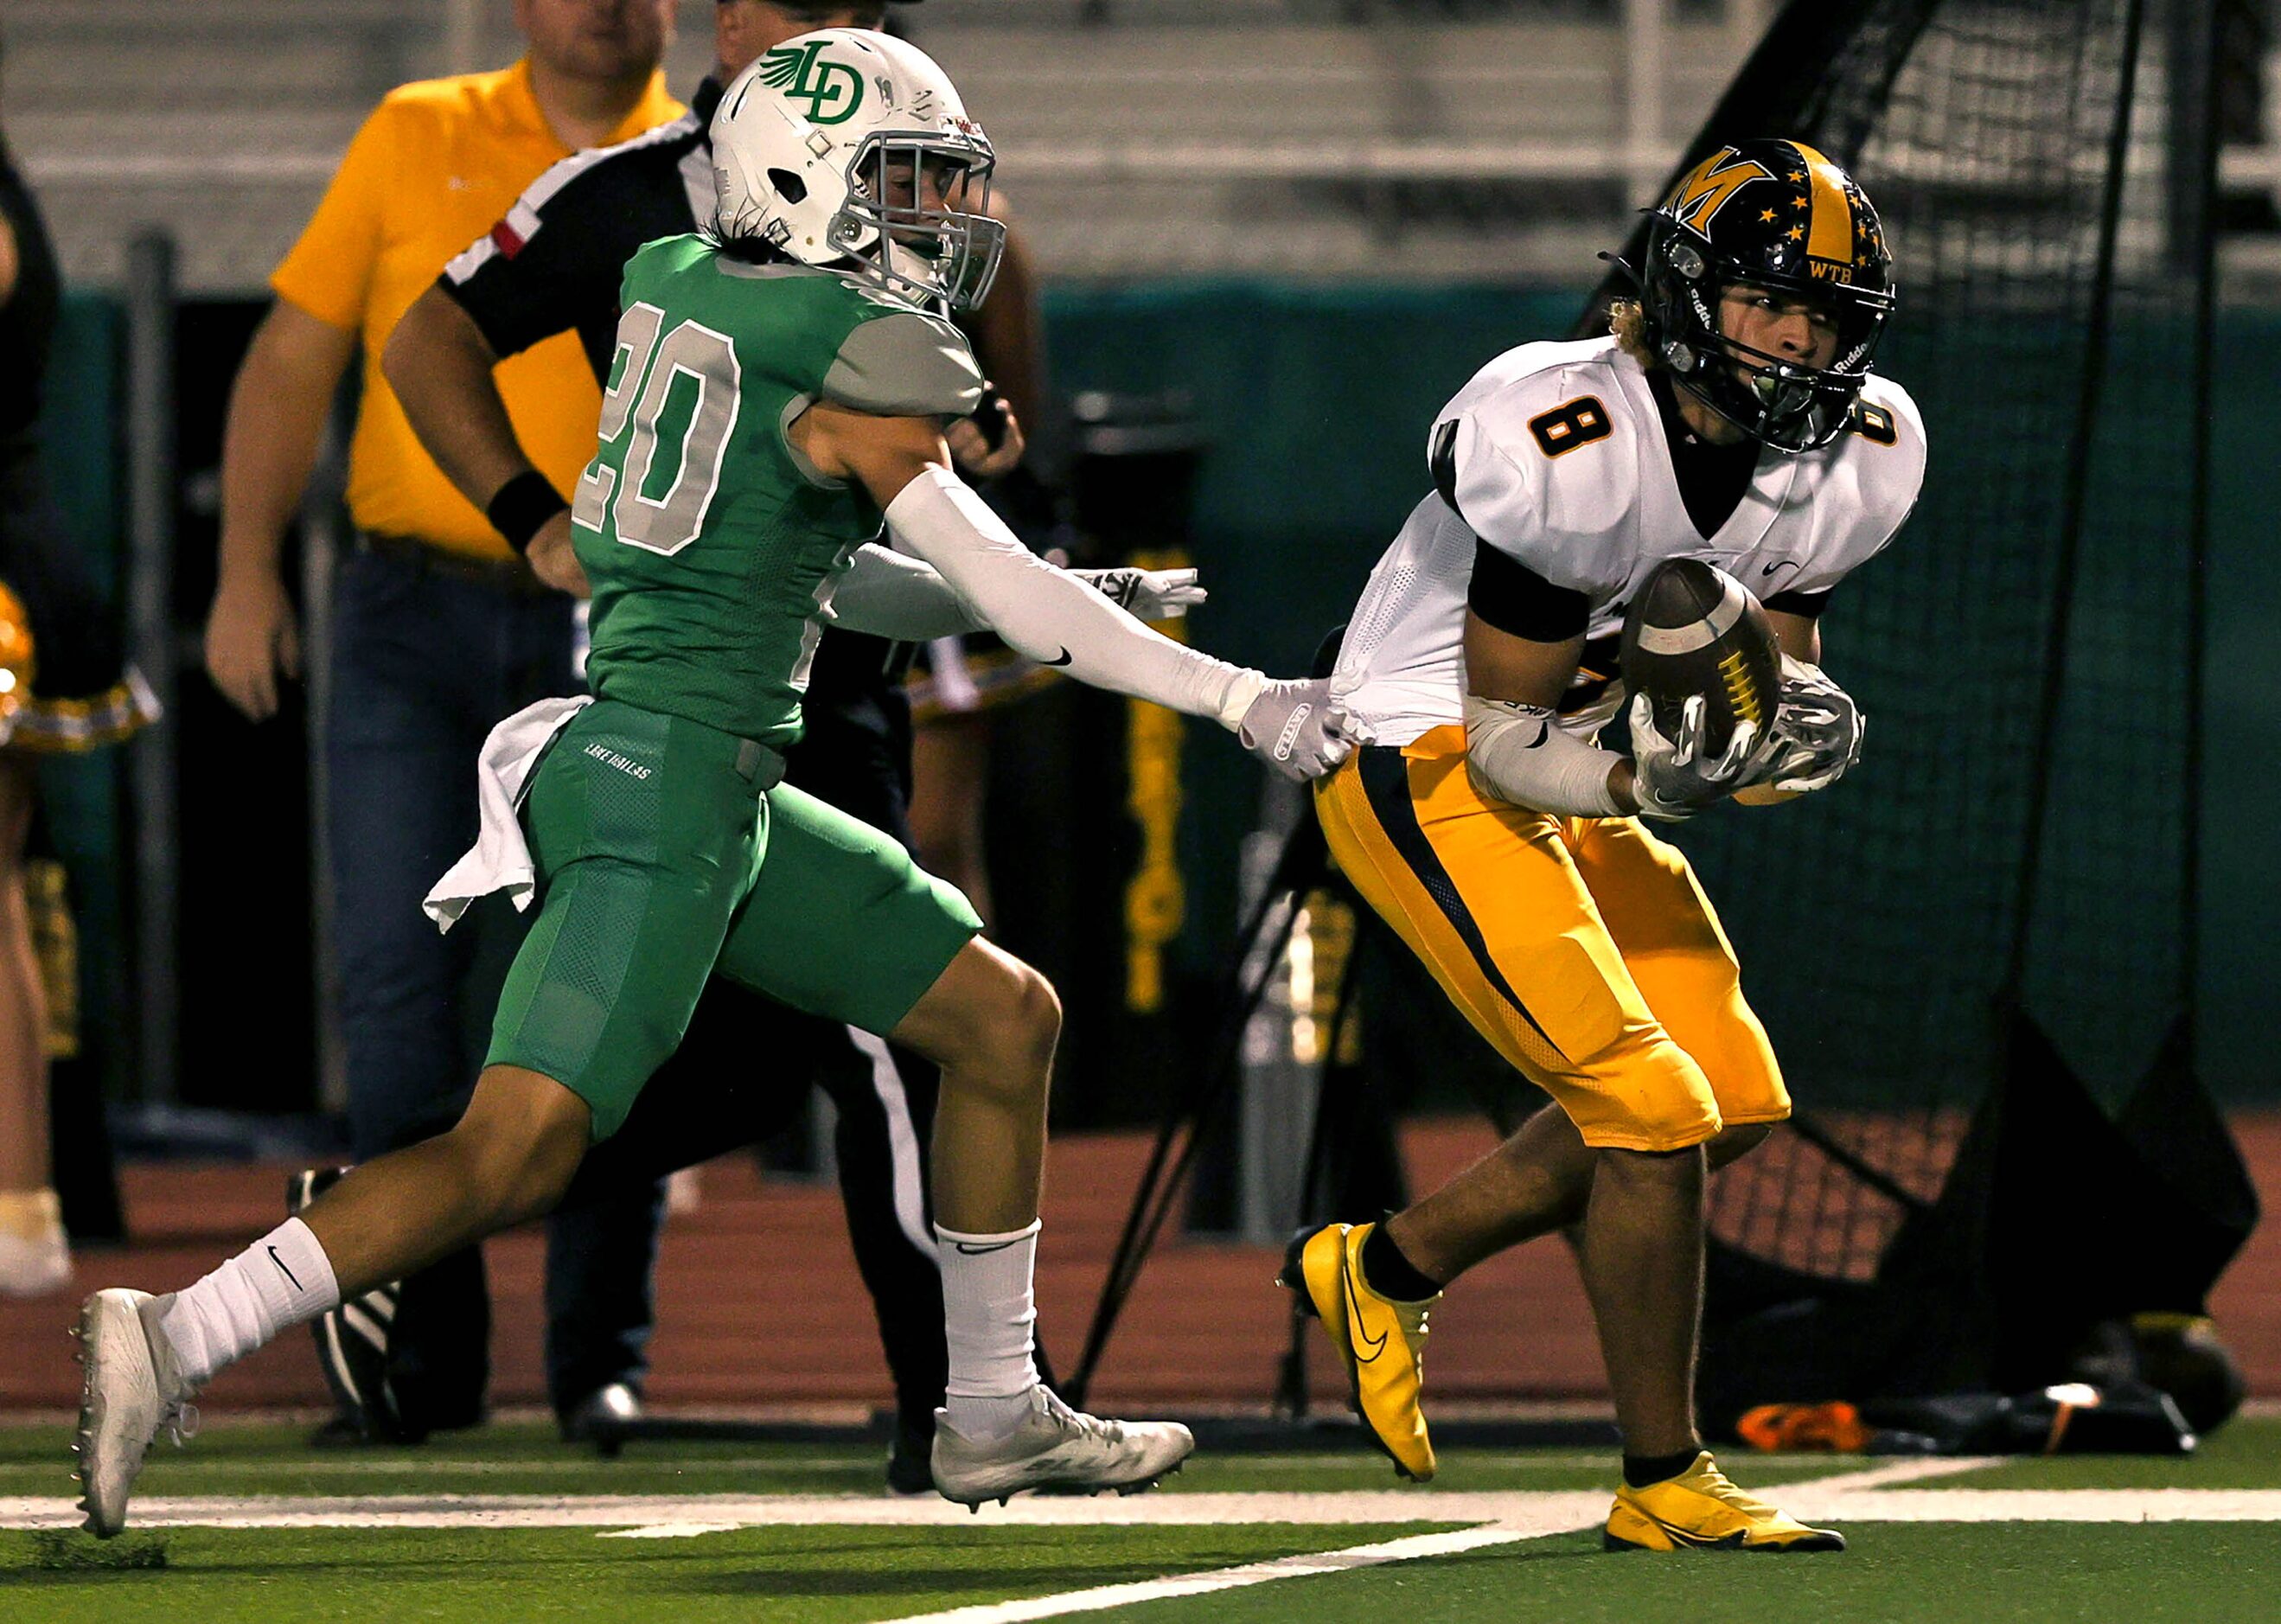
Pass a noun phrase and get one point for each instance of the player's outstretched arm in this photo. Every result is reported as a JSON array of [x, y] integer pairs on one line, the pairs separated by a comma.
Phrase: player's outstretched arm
[[1046, 613], [888, 595]]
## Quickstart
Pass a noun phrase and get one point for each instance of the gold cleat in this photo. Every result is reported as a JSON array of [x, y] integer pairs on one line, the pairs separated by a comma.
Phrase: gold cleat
[[1700, 1510], [1381, 1341]]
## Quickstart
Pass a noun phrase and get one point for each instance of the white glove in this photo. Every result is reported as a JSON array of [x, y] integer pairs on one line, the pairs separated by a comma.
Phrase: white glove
[[1294, 728], [1817, 731], [1672, 777], [1147, 594]]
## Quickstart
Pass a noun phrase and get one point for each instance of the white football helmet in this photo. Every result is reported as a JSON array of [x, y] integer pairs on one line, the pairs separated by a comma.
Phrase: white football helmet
[[851, 149]]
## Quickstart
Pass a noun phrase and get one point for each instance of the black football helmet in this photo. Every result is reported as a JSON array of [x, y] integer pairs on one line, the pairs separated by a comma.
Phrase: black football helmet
[[1778, 215]]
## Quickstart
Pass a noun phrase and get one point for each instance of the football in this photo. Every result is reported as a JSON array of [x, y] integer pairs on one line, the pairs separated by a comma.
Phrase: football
[[1694, 629]]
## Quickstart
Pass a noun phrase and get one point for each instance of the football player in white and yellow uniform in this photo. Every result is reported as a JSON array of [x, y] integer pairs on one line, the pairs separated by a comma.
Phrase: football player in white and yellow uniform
[[1733, 418]]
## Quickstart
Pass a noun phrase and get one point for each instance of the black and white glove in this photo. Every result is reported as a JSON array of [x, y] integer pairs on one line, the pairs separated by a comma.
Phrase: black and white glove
[[1147, 594], [1673, 778], [1816, 735], [1294, 727]]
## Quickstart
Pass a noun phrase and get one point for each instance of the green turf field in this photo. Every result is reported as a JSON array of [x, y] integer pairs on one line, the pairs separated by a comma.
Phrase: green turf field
[[509, 1525]]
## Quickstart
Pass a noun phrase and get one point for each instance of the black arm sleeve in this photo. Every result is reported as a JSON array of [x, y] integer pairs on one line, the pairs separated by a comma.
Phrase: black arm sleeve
[[1514, 598], [1808, 605], [555, 264]]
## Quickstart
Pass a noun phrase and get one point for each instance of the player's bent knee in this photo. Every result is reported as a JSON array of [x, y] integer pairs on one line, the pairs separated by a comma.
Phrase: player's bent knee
[[1034, 1013], [520, 1142], [1644, 1096], [990, 1014]]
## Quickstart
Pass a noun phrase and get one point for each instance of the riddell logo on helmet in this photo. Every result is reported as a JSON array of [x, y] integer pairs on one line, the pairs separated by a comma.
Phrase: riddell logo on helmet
[[832, 91]]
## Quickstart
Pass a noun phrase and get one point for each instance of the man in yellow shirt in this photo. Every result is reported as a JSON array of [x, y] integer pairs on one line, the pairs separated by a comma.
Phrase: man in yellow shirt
[[438, 631]]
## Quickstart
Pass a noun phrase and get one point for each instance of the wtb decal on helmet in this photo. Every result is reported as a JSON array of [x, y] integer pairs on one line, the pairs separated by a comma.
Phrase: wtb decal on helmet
[[832, 91], [1779, 218]]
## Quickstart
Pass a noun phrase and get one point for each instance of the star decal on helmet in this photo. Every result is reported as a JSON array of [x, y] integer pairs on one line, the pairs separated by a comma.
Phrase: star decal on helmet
[[1767, 215]]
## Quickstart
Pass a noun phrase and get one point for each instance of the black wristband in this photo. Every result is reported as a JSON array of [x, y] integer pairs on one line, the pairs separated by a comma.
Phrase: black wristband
[[521, 507]]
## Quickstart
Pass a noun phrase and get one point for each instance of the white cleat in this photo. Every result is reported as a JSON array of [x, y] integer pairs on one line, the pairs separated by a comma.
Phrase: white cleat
[[1057, 1451], [133, 1389]]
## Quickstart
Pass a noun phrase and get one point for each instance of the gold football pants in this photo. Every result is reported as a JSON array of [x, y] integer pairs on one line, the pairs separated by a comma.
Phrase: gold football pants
[[1581, 949]]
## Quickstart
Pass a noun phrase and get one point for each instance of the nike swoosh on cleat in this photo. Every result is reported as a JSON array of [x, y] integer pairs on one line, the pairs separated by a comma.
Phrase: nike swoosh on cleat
[[1354, 1318], [1696, 1542], [982, 1251], [282, 1269], [1065, 658], [1543, 732]]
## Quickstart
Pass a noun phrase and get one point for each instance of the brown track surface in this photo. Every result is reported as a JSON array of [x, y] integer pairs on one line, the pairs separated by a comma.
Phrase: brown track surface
[[760, 1308]]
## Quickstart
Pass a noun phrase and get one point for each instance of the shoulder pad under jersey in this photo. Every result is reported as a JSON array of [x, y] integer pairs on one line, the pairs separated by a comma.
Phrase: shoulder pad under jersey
[[1877, 466], [1539, 455], [905, 363]]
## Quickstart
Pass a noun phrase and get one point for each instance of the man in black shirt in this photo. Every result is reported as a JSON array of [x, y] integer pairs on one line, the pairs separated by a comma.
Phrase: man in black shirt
[[554, 265]]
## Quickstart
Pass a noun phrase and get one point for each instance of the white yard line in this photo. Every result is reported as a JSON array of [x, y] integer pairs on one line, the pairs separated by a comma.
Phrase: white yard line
[[1538, 1516], [1406, 1550]]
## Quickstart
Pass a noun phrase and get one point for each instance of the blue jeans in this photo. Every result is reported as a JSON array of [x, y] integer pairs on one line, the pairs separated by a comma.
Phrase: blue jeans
[[424, 663]]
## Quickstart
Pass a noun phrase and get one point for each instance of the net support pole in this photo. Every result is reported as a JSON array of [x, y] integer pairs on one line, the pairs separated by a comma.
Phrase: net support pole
[[1647, 42], [153, 765], [2098, 323], [324, 540], [2194, 138]]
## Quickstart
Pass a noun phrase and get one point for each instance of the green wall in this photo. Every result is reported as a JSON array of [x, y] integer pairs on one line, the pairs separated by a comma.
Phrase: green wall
[[1316, 404]]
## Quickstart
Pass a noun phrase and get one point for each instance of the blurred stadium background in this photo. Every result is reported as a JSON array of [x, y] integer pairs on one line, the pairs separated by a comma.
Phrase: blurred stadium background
[[1284, 231]]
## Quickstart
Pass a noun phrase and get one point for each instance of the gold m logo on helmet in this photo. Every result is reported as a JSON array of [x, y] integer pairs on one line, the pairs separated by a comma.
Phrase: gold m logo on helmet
[[1697, 199], [832, 91]]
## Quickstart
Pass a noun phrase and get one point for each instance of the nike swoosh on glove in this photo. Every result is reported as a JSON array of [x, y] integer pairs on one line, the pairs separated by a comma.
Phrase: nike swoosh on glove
[[1147, 594], [1294, 727], [1817, 731], [1672, 777]]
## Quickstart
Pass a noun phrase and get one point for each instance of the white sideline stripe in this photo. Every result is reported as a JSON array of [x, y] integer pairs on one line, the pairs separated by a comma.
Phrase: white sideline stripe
[[1392, 1506], [409, 1465], [2041, 1505], [1512, 1508], [1405, 1549]]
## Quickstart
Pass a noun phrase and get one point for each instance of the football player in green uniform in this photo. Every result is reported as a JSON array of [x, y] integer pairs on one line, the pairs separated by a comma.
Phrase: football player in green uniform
[[781, 388]]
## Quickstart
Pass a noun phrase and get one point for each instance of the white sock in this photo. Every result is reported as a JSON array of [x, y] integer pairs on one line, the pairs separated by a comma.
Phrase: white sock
[[281, 1281], [987, 1315]]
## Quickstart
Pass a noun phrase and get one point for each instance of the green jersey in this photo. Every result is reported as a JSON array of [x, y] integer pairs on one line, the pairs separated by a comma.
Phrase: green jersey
[[712, 545]]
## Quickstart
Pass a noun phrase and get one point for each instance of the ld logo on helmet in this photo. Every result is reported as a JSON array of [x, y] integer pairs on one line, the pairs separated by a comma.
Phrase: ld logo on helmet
[[832, 91]]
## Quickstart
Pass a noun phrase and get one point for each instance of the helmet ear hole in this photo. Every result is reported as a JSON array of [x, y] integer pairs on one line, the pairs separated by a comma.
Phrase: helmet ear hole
[[788, 185]]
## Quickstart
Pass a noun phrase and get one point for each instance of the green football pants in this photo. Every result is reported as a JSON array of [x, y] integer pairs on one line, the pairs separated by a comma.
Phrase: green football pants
[[661, 863]]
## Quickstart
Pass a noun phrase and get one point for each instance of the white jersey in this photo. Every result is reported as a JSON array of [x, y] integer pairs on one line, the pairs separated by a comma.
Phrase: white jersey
[[1556, 452]]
